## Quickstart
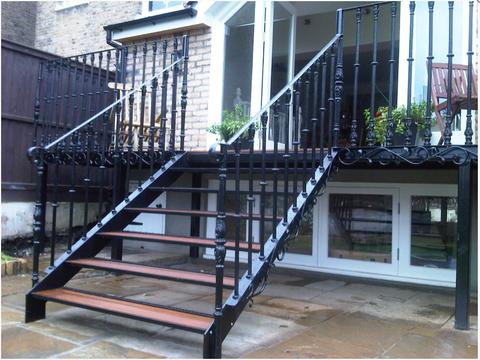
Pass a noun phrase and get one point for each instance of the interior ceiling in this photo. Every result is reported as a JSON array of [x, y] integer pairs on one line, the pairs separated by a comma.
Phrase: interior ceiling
[[316, 7]]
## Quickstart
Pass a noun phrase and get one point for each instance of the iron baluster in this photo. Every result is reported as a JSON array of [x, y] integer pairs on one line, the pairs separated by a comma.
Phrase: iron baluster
[[305, 130], [58, 100], [153, 103], [263, 184], [38, 215], [123, 76], [184, 92], [220, 251], [131, 101], [275, 170], [238, 146], [323, 108], [73, 148], [83, 103], [296, 142], [173, 118], [374, 63], [408, 120], [427, 135], [250, 199], [468, 130], [389, 134], [99, 96], [338, 78], [331, 99], [36, 112], [314, 119], [67, 109], [104, 142], [142, 117], [448, 118], [356, 65], [47, 116], [286, 155], [91, 100], [163, 114], [116, 138]]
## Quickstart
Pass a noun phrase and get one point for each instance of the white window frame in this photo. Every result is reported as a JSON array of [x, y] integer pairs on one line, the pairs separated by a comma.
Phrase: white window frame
[[367, 268], [146, 12]]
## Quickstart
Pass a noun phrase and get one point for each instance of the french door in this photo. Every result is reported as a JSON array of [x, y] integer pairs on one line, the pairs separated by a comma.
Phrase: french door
[[404, 232], [259, 56]]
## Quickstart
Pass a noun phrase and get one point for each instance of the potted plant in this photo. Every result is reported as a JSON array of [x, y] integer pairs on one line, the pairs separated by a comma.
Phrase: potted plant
[[418, 115], [231, 123]]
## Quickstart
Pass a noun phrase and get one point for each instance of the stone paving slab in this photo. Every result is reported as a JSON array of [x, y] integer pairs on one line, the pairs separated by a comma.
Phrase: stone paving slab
[[108, 350], [407, 313], [18, 342], [423, 347], [306, 346], [379, 335]]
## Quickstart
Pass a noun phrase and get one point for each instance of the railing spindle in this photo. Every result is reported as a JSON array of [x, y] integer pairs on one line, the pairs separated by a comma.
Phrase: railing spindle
[[286, 155], [250, 199], [374, 63], [131, 102], [408, 120], [263, 184], [184, 92], [468, 130], [331, 99], [354, 133], [314, 120], [238, 147], [173, 118], [296, 142], [275, 169], [389, 134], [448, 118], [427, 135], [305, 131]]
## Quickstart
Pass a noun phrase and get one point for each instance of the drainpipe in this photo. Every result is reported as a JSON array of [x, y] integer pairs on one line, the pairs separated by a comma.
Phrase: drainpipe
[[110, 40]]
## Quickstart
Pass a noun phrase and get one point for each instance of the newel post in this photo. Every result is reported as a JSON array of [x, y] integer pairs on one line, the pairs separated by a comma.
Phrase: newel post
[[39, 213], [220, 251]]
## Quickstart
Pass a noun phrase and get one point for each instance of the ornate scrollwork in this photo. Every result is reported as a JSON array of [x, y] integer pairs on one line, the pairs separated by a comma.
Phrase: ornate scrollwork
[[412, 155]]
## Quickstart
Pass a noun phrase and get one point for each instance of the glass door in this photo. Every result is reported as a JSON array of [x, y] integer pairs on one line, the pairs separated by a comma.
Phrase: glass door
[[361, 233], [430, 219]]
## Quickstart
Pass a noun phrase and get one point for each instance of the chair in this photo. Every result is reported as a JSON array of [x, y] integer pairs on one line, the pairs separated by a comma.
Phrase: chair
[[458, 92]]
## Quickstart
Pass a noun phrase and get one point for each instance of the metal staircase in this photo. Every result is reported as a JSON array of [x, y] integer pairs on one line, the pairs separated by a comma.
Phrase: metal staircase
[[108, 133], [54, 286]]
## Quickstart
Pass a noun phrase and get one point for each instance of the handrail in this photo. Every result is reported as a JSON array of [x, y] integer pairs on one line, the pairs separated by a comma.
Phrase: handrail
[[240, 132], [47, 147]]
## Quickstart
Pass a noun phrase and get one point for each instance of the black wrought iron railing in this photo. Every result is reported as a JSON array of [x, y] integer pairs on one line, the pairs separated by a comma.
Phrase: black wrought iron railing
[[319, 119], [97, 117]]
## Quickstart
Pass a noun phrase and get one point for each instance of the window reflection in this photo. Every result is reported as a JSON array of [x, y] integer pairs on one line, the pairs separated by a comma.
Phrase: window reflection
[[360, 227], [434, 229]]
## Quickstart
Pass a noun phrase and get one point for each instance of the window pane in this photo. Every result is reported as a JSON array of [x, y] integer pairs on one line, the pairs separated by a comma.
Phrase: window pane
[[239, 59], [302, 243], [360, 227], [434, 230], [159, 5]]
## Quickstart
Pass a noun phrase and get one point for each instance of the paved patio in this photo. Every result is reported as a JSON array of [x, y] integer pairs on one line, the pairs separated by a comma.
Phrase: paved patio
[[299, 315]]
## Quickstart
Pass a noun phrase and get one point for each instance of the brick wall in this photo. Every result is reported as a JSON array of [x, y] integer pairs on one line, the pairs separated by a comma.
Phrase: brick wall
[[18, 21], [79, 29]]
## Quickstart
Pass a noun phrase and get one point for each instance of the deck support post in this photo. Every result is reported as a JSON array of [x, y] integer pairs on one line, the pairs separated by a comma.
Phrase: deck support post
[[462, 290]]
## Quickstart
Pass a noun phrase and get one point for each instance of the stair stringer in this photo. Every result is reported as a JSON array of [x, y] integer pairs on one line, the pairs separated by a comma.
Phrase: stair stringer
[[92, 244], [233, 307]]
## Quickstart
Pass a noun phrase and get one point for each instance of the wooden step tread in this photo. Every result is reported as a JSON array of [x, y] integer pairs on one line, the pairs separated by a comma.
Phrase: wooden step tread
[[135, 310], [192, 241], [153, 271], [195, 212]]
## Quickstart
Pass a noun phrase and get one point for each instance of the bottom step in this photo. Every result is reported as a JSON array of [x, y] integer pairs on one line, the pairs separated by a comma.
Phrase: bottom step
[[128, 308]]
